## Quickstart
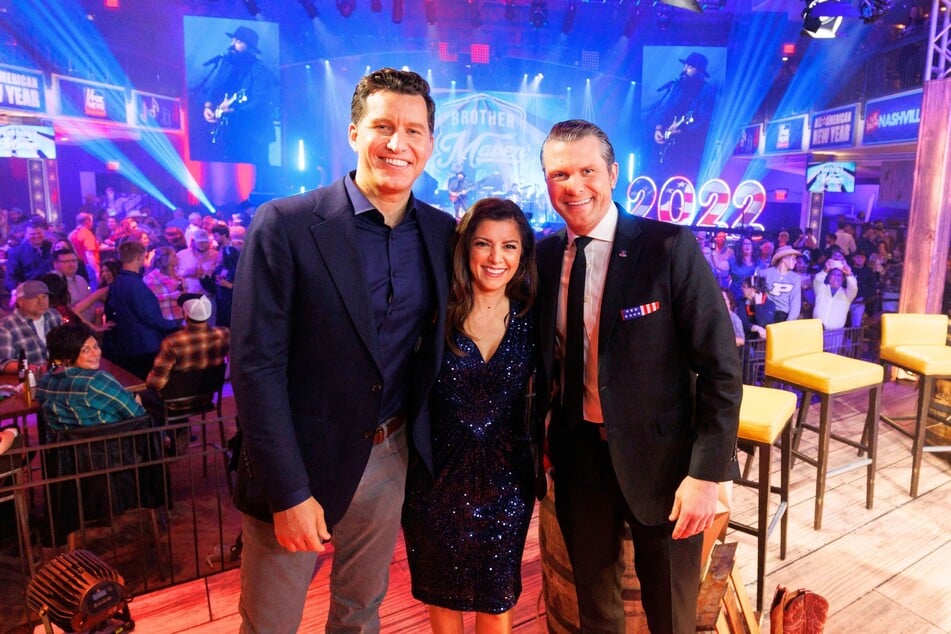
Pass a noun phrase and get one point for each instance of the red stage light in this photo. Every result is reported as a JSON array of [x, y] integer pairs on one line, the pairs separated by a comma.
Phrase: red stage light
[[110, 4], [789, 48], [113, 166], [479, 53], [447, 52], [782, 194]]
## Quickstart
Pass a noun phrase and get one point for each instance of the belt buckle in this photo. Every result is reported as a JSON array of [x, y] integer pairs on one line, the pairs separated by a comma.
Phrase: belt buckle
[[380, 434]]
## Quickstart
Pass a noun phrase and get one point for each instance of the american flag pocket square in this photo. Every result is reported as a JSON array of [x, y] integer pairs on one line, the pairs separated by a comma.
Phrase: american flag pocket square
[[633, 312]]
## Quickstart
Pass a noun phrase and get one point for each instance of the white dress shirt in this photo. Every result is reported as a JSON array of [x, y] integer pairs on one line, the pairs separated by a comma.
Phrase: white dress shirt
[[597, 256]]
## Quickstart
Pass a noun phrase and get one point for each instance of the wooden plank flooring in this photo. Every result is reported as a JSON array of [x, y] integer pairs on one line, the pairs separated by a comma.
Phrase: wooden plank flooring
[[883, 570]]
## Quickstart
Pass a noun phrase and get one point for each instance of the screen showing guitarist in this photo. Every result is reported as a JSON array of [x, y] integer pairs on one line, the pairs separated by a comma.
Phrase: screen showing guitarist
[[459, 188], [682, 119], [236, 100]]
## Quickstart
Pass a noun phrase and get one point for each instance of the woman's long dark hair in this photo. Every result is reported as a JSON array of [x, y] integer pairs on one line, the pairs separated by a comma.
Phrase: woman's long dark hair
[[521, 288]]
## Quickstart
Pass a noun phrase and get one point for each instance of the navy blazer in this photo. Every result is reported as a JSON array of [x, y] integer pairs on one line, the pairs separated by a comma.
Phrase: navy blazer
[[306, 374], [670, 380]]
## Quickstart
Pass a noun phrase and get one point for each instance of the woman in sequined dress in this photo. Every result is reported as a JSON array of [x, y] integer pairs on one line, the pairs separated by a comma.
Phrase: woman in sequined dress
[[465, 524]]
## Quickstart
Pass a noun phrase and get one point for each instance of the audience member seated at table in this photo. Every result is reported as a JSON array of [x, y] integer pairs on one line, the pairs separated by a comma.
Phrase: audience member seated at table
[[195, 347], [31, 258], [26, 327], [62, 301], [75, 392], [756, 310], [140, 326], [164, 282]]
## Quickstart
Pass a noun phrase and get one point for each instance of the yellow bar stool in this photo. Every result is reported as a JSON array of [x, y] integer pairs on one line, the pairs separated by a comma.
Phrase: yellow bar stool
[[765, 416], [794, 356], [917, 343]]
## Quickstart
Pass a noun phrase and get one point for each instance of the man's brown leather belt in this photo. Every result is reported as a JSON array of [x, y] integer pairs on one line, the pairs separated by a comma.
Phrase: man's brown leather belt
[[388, 428]]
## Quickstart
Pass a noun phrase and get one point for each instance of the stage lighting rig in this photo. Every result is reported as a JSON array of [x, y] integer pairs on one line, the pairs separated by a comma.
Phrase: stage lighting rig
[[430, 8], [310, 9], [821, 19], [252, 7], [376, 6], [397, 11], [510, 10]]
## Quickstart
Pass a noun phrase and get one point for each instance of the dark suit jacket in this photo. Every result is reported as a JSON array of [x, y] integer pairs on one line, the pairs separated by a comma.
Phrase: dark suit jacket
[[670, 381], [306, 374]]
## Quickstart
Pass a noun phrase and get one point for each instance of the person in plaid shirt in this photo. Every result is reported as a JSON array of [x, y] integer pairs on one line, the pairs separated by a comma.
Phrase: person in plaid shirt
[[26, 327], [196, 347], [76, 393]]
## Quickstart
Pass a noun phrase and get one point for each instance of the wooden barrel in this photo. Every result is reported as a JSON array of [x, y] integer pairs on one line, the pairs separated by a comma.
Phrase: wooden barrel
[[558, 580]]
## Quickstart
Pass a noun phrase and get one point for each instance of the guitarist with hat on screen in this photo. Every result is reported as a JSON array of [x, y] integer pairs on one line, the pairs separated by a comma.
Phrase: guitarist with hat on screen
[[237, 104], [682, 119]]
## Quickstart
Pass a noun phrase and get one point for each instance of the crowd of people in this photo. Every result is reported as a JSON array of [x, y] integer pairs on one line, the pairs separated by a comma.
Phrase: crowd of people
[[141, 297], [768, 278], [392, 367]]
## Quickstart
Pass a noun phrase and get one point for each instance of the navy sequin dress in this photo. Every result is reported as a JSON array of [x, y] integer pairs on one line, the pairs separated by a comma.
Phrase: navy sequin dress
[[465, 532]]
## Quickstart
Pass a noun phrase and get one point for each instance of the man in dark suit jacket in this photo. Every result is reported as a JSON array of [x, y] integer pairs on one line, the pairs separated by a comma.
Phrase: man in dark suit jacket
[[654, 430], [337, 291]]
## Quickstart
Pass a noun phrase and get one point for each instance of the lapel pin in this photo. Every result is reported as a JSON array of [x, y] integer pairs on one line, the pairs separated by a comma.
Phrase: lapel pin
[[622, 254]]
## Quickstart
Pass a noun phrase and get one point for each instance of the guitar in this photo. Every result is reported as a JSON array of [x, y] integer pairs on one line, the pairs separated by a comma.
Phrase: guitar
[[224, 109], [670, 134], [454, 196]]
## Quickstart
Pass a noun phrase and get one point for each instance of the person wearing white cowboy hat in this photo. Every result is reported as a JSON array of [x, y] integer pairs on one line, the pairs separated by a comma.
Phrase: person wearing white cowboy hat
[[784, 284]]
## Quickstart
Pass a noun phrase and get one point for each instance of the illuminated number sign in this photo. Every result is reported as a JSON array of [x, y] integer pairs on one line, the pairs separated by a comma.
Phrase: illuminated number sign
[[713, 205]]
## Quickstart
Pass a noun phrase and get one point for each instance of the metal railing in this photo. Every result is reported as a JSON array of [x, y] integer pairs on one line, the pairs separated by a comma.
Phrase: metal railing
[[191, 535]]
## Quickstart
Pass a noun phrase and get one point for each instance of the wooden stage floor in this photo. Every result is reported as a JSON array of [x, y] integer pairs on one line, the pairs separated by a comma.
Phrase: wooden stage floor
[[882, 570]]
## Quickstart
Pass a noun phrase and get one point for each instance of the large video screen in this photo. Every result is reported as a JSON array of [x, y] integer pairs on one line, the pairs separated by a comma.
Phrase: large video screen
[[679, 93], [831, 176], [27, 141], [232, 68]]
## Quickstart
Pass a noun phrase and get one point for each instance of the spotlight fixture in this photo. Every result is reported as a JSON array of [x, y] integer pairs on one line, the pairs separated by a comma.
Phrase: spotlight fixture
[[568, 21], [397, 11], [539, 15], [689, 5], [821, 19], [510, 10], [430, 7], [310, 9], [376, 6], [346, 7], [252, 6]]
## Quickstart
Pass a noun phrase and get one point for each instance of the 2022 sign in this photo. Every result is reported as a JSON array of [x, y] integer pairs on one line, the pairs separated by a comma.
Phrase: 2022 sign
[[713, 205]]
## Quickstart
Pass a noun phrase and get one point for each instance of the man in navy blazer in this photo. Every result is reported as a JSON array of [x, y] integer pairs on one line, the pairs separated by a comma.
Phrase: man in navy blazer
[[654, 426], [337, 291]]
